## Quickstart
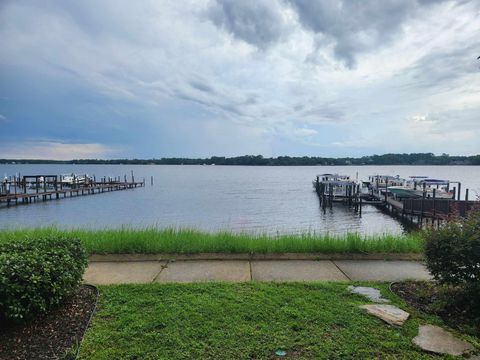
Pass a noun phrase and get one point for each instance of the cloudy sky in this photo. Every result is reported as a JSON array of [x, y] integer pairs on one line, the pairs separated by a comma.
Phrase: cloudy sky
[[109, 79]]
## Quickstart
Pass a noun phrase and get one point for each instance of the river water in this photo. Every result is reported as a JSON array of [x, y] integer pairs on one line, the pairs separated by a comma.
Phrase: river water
[[235, 198]]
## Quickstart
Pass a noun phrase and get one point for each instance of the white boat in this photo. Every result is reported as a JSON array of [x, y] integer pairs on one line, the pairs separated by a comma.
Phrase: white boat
[[333, 177], [421, 186], [382, 181], [73, 179], [38, 184], [337, 184], [5, 186]]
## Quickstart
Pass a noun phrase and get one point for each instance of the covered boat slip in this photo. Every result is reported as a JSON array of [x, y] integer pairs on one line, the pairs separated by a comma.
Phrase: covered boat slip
[[437, 189], [414, 187], [381, 181], [335, 185], [419, 197], [338, 188]]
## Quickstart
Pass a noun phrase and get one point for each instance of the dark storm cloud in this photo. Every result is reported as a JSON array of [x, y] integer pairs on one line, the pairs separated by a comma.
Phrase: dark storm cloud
[[258, 22], [354, 26]]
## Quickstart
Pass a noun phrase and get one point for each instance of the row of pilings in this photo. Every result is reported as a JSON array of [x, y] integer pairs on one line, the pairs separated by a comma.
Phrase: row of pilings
[[328, 193]]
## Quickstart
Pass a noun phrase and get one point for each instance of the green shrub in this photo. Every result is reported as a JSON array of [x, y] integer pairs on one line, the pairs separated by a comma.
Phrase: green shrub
[[453, 252], [36, 274], [453, 257]]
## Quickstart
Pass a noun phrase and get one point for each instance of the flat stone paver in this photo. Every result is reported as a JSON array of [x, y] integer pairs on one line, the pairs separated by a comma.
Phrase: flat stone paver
[[378, 270], [296, 270], [389, 313], [369, 292], [123, 272], [205, 270], [435, 339]]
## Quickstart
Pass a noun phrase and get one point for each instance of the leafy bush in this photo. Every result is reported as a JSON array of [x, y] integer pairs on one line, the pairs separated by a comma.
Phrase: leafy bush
[[453, 252], [36, 274], [453, 258]]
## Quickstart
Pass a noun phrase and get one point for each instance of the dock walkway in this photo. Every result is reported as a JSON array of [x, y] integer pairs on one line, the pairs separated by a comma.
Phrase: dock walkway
[[58, 193]]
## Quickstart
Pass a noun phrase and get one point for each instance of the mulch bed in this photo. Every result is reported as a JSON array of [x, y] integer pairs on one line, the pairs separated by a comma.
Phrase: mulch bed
[[54, 335], [431, 299]]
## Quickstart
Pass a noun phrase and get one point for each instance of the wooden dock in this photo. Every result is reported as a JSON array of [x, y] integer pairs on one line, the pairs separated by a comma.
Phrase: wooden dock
[[440, 209], [15, 191], [416, 210], [328, 193]]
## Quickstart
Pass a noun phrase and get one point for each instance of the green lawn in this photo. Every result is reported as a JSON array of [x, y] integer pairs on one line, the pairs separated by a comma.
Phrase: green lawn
[[245, 321], [155, 240]]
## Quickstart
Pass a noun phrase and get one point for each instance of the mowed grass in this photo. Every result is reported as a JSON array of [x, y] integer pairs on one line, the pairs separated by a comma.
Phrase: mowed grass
[[154, 240], [245, 321]]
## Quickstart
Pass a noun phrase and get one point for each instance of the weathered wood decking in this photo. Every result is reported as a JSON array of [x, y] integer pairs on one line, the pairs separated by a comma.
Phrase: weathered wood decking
[[436, 208]]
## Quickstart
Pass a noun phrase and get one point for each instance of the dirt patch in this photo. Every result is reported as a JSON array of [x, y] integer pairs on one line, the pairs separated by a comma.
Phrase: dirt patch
[[54, 335], [430, 298]]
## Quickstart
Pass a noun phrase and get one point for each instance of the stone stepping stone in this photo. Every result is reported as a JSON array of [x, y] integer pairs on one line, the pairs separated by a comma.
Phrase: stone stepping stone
[[389, 313], [369, 292], [435, 339]]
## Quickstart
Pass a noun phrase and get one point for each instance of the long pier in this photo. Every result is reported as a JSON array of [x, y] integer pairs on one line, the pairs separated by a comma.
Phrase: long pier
[[35, 188]]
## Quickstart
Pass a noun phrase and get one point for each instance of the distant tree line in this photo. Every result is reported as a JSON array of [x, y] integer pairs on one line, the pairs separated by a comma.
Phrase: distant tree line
[[259, 160]]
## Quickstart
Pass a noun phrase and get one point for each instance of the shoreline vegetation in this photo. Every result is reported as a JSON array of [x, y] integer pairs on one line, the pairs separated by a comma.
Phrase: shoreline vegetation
[[259, 160], [188, 241]]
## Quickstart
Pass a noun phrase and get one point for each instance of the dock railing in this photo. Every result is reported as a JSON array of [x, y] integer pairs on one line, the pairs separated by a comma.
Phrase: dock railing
[[441, 208]]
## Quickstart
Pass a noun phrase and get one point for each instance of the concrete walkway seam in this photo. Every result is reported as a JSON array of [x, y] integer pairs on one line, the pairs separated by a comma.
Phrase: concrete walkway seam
[[343, 272], [161, 269]]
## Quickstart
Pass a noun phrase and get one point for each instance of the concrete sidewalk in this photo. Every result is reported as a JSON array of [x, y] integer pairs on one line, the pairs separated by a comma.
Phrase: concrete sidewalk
[[164, 271]]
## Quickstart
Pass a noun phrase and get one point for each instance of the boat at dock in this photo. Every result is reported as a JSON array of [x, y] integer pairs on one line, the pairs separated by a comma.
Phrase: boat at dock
[[335, 185], [73, 179], [32, 188], [422, 187], [382, 181], [379, 184]]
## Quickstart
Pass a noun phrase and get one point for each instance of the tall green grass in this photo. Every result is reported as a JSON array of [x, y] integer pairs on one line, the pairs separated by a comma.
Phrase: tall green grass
[[154, 240]]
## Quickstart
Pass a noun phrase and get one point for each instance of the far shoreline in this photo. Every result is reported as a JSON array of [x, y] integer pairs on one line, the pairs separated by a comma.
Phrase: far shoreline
[[414, 159]]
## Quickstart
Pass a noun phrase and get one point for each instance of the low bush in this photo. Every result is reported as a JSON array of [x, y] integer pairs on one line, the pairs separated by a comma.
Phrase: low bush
[[453, 252], [453, 257], [38, 273]]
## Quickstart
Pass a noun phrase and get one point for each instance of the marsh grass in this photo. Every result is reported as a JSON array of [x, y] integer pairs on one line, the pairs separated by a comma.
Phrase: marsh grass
[[153, 240]]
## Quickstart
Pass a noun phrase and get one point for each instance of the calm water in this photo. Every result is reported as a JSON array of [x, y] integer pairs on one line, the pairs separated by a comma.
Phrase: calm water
[[238, 198]]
